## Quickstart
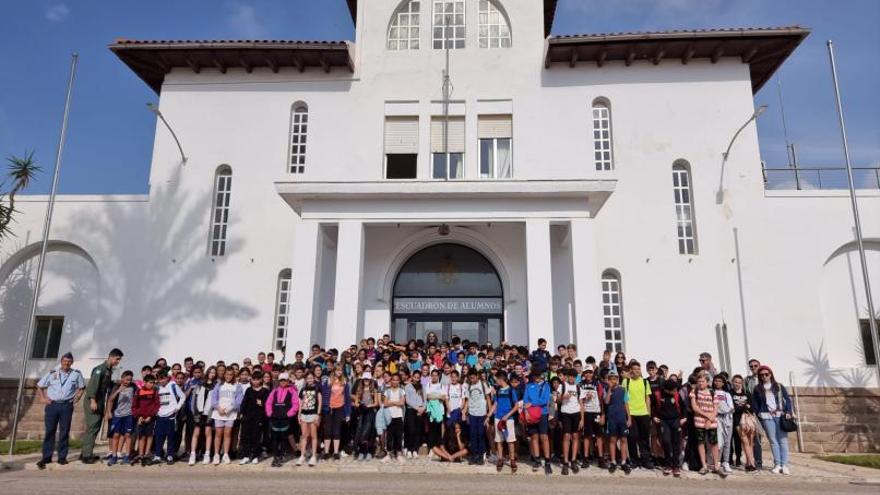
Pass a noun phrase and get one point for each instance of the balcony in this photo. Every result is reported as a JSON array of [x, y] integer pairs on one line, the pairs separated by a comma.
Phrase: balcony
[[819, 178]]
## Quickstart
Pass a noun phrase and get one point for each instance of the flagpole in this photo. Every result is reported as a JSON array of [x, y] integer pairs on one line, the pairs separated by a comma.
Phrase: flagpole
[[47, 225], [872, 322]]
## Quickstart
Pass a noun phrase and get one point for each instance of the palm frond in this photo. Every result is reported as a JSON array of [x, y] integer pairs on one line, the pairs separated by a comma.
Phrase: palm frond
[[22, 170]]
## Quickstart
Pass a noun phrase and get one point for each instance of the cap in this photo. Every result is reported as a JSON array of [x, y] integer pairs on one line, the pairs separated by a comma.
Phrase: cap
[[283, 376], [612, 373], [589, 367], [67, 355], [366, 375]]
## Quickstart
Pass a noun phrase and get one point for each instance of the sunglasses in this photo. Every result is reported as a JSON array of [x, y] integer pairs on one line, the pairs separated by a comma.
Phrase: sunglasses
[[764, 374], [754, 366], [703, 360]]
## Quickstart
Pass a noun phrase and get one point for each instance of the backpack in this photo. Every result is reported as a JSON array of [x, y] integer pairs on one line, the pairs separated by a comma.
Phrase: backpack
[[532, 414], [280, 408]]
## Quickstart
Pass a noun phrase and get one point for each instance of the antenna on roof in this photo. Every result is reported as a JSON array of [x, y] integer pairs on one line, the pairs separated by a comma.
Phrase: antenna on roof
[[789, 146]]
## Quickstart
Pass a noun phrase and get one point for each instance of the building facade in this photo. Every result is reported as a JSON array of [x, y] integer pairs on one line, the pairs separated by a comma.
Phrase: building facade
[[455, 169]]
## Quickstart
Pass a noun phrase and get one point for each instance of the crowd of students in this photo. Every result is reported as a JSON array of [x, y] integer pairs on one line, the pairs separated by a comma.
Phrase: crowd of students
[[453, 402]]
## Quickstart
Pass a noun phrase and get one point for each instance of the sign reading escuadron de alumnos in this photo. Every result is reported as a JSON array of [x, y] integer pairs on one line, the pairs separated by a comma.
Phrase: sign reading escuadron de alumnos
[[451, 305]]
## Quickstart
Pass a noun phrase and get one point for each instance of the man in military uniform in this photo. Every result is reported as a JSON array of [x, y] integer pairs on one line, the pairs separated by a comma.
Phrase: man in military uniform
[[60, 389], [100, 382]]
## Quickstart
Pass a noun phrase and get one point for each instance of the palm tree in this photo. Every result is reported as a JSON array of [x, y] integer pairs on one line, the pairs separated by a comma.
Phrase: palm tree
[[20, 174]]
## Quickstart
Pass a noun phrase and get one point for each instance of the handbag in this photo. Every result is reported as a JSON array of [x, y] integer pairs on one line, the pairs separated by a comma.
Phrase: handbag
[[787, 424]]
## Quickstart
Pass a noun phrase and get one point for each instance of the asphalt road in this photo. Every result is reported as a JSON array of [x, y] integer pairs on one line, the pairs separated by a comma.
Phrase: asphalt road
[[137, 481]]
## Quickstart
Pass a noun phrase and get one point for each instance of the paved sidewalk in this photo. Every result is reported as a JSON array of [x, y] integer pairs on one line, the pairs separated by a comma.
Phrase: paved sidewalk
[[805, 468]]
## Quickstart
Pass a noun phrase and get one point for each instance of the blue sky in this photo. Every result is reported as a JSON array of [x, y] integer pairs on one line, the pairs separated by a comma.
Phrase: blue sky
[[111, 132]]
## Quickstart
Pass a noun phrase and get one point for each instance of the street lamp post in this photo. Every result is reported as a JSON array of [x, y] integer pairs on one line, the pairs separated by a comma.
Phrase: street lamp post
[[719, 196], [155, 109]]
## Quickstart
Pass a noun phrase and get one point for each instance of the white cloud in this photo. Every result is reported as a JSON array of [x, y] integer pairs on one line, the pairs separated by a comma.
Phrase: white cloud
[[665, 14], [244, 21], [57, 12]]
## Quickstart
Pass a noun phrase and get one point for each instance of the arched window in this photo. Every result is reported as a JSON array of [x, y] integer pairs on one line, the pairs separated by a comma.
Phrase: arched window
[[220, 210], [299, 129], [612, 311], [684, 208], [449, 25], [494, 26], [602, 135], [282, 306], [403, 32]]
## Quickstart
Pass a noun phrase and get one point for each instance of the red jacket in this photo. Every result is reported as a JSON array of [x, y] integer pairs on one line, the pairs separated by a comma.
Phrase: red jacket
[[146, 403]]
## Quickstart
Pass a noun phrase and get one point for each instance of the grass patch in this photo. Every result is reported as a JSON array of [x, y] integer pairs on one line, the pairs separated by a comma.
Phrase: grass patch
[[863, 460], [31, 446]]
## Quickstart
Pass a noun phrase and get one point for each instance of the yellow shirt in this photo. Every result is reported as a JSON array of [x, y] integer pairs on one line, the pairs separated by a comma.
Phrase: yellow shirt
[[638, 390]]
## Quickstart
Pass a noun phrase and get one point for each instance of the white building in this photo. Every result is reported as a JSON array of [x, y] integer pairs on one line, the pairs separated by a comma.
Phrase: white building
[[577, 199]]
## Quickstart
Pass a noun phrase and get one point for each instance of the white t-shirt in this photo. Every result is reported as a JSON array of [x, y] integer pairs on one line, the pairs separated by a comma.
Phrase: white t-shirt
[[771, 398], [226, 399], [394, 395], [571, 405], [455, 394], [435, 389]]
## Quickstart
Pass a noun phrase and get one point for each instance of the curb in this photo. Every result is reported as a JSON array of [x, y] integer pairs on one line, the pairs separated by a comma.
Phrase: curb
[[866, 482]]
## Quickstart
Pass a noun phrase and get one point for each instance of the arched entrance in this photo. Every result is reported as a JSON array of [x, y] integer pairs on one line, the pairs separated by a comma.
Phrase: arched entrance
[[451, 290]]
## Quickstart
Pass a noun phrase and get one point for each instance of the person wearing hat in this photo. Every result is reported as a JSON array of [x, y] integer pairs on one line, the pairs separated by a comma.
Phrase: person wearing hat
[[100, 382], [59, 390]]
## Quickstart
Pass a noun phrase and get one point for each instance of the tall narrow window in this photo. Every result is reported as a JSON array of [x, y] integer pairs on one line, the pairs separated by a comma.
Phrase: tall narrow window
[[447, 147], [299, 129], [220, 211], [602, 153], [401, 147], [612, 312], [47, 338], [449, 26], [282, 306], [684, 208], [494, 28], [496, 141], [403, 32]]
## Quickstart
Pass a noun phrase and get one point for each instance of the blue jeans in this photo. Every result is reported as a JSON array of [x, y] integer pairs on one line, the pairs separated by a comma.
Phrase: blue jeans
[[164, 433], [57, 416], [476, 435], [778, 441]]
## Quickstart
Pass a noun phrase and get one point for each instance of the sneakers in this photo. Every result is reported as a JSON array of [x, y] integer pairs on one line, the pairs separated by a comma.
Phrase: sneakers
[[676, 472], [547, 469], [336, 456], [536, 465], [704, 471], [585, 464], [513, 466], [777, 469], [300, 461], [313, 461], [667, 471], [125, 460], [112, 460], [244, 460], [565, 469], [627, 469], [574, 467], [368, 457], [255, 460], [226, 459], [156, 460], [612, 467], [192, 459], [276, 462], [206, 459], [386, 459], [169, 460], [785, 470], [725, 468], [499, 465], [216, 460]]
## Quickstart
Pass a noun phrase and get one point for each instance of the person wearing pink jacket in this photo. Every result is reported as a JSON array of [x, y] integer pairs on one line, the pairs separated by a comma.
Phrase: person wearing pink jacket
[[281, 408]]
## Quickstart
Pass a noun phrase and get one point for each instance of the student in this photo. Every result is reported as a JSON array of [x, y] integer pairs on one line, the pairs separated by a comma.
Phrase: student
[[200, 399], [310, 401], [571, 416], [414, 418], [336, 400], [744, 423], [724, 406], [454, 448], [366, 401], [477, 403], [122, 422], [592, 432], [281, 406], [253, 415], [705, 421], [669, 416], [537, 395], [196, 375], [506, 408], [771, 402], [225, 401], [394, 400], [170, 402], [435, 410], [455, 393], [638, 392], [540, 357], [144, 408], [617, 421]]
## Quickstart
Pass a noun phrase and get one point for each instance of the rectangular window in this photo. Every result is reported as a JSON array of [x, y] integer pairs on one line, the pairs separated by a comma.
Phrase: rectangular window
[[684, 210], [611, 313], [220, 218], [496, 141], [47, 338], [299, 126], [602, 138], [281, 310], [401, 147], [447, 148], [867, 343], [449, 25]]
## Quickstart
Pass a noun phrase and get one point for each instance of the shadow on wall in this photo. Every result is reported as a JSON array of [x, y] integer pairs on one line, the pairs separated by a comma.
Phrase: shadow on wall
[[155, 280], [841, 411]]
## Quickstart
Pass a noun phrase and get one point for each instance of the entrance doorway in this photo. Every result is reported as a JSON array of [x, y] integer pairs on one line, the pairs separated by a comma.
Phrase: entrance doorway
[[449, 290]]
